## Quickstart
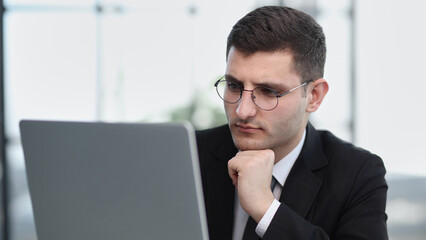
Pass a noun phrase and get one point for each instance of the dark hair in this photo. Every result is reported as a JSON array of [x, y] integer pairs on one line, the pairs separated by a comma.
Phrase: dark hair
[[274, 28]]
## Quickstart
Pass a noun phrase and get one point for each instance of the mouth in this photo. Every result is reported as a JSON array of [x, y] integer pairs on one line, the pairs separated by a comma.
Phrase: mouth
[[246, 128]]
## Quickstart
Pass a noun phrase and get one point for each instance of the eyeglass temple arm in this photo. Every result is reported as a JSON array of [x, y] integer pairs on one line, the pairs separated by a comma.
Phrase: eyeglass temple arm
[[291, 90]]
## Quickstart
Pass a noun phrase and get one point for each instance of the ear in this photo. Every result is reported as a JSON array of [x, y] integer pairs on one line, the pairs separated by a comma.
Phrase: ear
[[316, 93]]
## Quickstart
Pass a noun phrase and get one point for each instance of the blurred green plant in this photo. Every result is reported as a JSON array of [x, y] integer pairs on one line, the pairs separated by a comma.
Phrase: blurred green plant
[[204, 110], [201, 112]]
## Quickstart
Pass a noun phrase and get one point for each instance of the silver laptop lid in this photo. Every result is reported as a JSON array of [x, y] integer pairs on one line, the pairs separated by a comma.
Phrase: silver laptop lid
[[113, 180]]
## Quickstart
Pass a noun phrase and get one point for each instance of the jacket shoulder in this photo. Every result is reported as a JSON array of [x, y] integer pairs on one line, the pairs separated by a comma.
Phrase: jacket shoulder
[[336, 148]]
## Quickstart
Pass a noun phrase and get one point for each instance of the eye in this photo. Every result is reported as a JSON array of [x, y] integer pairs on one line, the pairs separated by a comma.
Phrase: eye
[[267, 92], [233, 86]]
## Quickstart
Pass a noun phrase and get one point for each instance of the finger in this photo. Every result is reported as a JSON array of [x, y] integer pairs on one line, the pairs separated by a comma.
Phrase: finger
[[233, 173]]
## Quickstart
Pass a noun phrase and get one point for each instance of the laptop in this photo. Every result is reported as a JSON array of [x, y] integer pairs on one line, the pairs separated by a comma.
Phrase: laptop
[[109, 181]]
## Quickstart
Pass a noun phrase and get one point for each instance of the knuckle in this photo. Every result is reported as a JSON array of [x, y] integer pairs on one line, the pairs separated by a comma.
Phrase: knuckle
[[269, 153]]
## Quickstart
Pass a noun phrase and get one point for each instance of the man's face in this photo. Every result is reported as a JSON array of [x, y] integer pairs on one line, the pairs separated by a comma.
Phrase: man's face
[[253, 128]]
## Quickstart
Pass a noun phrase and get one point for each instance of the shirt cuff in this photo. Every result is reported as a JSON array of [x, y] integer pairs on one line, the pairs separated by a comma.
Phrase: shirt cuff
[[263, 225]]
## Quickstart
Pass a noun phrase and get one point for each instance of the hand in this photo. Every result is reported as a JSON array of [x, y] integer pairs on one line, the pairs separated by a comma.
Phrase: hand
[[251, 173]]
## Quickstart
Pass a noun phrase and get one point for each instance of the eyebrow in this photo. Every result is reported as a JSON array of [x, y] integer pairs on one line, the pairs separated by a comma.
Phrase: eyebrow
[[274, 86]]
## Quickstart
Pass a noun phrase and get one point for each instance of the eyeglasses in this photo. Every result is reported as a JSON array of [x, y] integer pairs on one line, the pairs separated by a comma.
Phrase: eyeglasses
[[263, 97]]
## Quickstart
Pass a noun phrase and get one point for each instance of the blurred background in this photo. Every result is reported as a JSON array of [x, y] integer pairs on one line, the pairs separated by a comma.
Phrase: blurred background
[[140, 60]]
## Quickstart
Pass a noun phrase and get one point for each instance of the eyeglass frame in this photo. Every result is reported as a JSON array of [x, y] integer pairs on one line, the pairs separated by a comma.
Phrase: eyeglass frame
[[223, 79]]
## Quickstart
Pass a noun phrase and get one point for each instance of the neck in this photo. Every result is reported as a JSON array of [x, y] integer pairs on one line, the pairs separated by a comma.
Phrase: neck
[[281, 153]]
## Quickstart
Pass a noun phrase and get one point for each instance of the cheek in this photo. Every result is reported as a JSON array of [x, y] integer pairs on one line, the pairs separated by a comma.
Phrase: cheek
[[283, 118], [277, 123], [229, 109]]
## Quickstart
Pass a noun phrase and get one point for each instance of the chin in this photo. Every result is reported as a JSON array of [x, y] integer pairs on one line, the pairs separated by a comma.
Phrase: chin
[[248, 144]]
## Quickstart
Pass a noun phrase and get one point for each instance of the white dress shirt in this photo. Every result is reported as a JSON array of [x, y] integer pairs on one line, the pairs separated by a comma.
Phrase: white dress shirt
[[280, 172]]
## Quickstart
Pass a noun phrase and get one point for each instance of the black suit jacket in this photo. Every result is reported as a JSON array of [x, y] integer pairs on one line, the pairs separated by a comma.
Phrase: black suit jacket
[[334, 190]]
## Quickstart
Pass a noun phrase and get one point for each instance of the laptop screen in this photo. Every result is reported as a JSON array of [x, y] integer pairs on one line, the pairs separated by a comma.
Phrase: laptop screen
[[91, 180]]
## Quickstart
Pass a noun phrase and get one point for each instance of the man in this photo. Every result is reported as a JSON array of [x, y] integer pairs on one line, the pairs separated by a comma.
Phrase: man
[[325, 188]]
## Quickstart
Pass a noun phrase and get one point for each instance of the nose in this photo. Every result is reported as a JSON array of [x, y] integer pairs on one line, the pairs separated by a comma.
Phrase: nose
[[246, 107]]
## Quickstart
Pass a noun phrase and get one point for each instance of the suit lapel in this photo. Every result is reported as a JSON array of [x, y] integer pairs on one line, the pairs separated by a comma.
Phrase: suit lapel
[[221, 188], [304, 180]]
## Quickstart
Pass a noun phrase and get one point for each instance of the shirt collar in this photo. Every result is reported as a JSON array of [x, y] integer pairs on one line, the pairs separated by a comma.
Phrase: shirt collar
[[282, 168]]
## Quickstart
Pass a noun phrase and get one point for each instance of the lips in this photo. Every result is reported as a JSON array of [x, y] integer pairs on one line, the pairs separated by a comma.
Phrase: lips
[[246, 128]]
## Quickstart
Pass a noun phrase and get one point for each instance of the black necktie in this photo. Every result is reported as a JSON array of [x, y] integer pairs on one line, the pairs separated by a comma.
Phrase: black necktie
[[250, 230]]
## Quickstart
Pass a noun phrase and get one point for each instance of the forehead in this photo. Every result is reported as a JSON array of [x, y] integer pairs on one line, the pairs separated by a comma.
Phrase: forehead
[[262, 67]]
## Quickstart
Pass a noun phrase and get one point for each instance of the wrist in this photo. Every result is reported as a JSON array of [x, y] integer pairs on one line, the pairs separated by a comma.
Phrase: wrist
[[261, 209]]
